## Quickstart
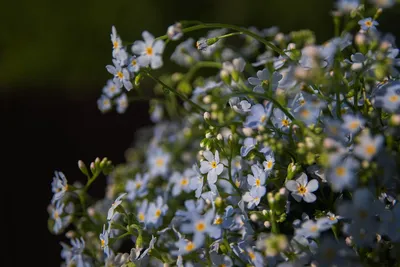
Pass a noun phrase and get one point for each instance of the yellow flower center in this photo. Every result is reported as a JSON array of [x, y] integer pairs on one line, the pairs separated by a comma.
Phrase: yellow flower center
[[354, 125], [251, 255], [263, 118], [332, 218], [159, 162], [269, 164], [200, 226], [115, 44], [112, 89], [285, 123], [138, 185], [222, 265], [103, 243], [394, 98], [302, 102], [264, 83], [158, 213], [258, 182], [134, 62], [368, 23], [305, 113], [237, 183], [56, 215], [214, 164], [189, 246], [106, 102], [340, 171], [184, 181], [314, 228], [218, 220], [120, 75], [370, 149], [149, 51], [141, 216], [301, 189]]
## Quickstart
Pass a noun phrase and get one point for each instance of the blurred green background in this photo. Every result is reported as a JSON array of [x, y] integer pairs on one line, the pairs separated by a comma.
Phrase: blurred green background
[[52, 60]]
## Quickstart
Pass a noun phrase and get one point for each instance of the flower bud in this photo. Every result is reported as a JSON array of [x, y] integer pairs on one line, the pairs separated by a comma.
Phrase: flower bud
[[219, 137], [225, 77], [267, 224], [82, 167], [207, 99], [253, 217], [207, 116], [92, 167], [174, 32]]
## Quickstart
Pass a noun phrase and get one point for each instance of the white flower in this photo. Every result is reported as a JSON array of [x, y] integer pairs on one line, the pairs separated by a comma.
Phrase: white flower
[[116, 42], [114, 205], [302, 189], [368, 146], [212, 167], [149, 51], [122, 103]]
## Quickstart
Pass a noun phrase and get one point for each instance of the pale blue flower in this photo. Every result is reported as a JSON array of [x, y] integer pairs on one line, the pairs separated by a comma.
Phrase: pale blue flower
[[142, 212], [119, 260], [220, 260], [196, 181], [269, 162], [353, 123], [387, 97], [193, 208], [114, 205], [138, 187], [157, 113], [212, 166], [280, 120], [313, 229], [112, 88], [259, 116], [57, 213], [116, 42], [333, 218], [174, 32], [156, 212], [120, 75], [257, 180], [368, 146], [368, 23], [104, 241], [186, 246], [122, 103], [59, 186], [240, 106], [308, 114], [104, 103], [149, 52], [181, 182], [249, 144], [252, 198], [383, 3], [158, 162], [208, 85], [227, 219], [302, 188], [200, 226], [342, 171], [347, 5], [265, 80], [133, 64], [78, 245]]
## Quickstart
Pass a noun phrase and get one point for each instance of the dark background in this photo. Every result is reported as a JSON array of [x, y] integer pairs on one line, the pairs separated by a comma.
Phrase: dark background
[[52, 61]]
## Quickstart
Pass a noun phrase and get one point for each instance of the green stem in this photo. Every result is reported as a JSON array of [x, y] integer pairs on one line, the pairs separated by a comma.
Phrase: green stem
[[184, 98], [232, 27]]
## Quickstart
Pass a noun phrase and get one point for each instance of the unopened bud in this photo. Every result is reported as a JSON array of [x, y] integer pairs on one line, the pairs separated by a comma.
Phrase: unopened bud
[[208, 135], [219, 137], [174, 32], [267, 224], [247, 131], [254, 217], [218, 201], [395, 120], [207, 116], [92, 167], [82, 167], [207, 99]]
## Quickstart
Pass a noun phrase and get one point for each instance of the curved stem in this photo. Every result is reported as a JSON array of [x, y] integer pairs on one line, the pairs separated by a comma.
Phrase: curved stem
[[232, 27], [184, 98]]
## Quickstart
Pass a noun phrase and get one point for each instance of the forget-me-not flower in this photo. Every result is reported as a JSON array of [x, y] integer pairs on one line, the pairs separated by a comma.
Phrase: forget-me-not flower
[[302, 188], [149, 51]]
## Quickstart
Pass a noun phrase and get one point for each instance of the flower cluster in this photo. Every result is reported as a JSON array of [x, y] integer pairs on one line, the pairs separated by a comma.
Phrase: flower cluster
[[287, 154]]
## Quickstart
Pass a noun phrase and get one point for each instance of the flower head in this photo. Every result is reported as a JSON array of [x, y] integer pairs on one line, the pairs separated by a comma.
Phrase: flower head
[[59, 186], [212, 167], [302, 189], [259, 115], [149, 51], [114, 205], [265, 80], [368, 23]]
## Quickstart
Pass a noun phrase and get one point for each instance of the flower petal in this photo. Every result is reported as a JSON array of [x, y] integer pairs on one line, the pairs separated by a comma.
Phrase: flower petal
[[205, 167], [303, 179], [138, 47], [156, 62], [254, 81], [148, 38], [158, 47], [309, 197], [297, 196], [292, 185], [312, 185], [208, 155]]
